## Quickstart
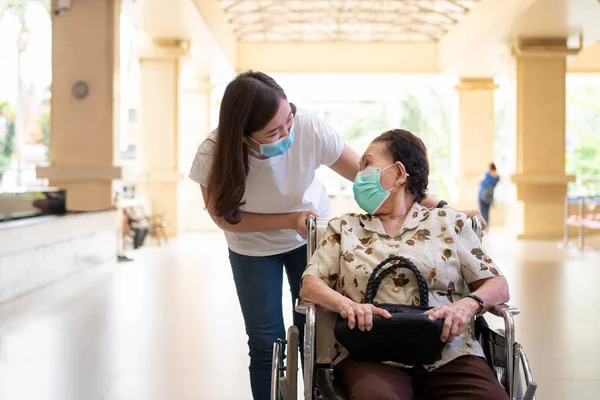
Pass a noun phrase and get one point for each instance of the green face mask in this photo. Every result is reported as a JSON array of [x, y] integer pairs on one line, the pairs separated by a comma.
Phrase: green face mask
[[368, 192]]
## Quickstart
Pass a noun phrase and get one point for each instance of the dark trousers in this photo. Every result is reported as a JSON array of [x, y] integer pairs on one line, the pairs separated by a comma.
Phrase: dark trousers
[[484, 208], [139, 235], [258, 281], [465, 378]]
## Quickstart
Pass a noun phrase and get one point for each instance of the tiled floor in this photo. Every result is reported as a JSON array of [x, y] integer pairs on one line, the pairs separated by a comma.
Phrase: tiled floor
[[168, 326]]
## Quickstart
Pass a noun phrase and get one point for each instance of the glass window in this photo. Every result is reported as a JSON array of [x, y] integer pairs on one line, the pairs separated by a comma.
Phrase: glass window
[[583, 133]]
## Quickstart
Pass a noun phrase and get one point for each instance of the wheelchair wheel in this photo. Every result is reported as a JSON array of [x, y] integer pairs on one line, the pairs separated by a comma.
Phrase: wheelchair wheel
[[288, 384]]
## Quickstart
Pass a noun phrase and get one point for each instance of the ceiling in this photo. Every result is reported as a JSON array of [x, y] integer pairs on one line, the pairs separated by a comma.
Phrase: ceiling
[[344, 20]]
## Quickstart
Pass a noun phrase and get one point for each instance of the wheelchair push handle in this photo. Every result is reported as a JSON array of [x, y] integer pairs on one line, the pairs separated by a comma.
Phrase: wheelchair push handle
[[477, 226], [402, 262]]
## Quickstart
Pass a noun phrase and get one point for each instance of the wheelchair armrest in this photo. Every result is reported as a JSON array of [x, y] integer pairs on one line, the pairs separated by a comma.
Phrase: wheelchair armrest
[[310, 311], [507, 313], [319, 328], [501, 309], [302, 307]]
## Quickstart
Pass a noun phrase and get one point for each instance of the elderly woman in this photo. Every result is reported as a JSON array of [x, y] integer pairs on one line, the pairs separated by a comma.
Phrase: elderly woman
[[463, 281]]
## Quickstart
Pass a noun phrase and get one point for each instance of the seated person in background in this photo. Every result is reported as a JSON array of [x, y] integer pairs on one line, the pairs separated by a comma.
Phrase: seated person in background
[[53, 203], [393, 178], [131, 223]]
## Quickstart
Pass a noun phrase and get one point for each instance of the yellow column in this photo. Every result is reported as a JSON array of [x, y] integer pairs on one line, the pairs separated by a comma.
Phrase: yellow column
[[84, 142], [540, 178], [476, 136], [159, 150]]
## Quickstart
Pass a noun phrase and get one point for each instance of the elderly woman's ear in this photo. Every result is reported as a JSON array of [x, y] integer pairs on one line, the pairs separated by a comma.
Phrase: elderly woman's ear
[[402, 175]]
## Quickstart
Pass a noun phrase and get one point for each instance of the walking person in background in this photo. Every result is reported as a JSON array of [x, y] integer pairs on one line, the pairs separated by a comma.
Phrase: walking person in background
[[487, 184]]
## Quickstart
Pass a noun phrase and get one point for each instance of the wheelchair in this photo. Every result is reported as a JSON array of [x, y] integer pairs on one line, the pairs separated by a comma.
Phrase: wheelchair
[[504, 354]]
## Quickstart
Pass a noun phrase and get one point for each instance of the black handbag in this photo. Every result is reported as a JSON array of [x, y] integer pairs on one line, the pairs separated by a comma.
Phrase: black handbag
[[409, 337]]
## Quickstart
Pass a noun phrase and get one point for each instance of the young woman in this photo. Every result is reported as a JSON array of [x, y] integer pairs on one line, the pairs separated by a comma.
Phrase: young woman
[[257, 175]]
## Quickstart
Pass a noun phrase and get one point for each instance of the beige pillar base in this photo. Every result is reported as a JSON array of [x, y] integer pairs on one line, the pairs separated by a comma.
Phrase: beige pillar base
[[551, 216], [541, 205], [89, 188]]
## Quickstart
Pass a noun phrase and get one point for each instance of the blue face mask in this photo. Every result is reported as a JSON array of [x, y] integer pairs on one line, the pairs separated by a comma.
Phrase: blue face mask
[[276, 148], [368, 192]]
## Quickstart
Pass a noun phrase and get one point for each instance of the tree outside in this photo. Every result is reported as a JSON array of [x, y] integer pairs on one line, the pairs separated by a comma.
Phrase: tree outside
[[583, 134], [426, 112], [25, 75], [7, 136]]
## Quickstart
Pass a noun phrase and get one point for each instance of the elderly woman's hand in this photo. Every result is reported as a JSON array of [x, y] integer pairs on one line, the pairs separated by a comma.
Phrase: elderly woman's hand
[[361, 314], [457, 316]]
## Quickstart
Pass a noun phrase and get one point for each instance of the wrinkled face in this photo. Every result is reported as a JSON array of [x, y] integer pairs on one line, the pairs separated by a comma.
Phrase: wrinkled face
[[376, 156], [277, 128]]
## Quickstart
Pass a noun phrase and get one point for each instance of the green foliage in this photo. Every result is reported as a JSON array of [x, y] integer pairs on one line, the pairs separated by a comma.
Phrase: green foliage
[[7, 133], [430, 120], [583, 134], [357, 124], [427, 115], [18, 10], [7, 124], [44, 120]]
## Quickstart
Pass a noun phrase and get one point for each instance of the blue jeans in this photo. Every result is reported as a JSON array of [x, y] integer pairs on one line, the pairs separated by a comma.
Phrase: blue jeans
[[258, 281], [484, 208]]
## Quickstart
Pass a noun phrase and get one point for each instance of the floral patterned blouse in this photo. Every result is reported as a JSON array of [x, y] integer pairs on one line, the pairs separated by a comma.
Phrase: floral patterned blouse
[[446, 251]]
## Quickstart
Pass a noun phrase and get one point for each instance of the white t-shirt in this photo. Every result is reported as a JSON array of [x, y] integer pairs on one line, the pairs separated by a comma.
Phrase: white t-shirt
[[281, 184]]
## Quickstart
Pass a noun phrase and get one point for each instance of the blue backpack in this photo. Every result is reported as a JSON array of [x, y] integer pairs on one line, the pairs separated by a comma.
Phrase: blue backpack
[[486, 195]]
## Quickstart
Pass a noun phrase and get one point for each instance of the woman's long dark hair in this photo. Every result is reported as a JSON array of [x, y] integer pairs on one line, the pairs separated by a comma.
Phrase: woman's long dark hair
[[250, 101]]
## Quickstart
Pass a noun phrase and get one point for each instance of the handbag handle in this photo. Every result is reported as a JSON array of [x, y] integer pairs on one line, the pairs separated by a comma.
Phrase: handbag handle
[[375, 280]]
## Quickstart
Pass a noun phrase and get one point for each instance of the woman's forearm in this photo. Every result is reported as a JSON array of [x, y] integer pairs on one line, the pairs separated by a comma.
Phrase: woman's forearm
[[493, 291], [252, 222], [315, 291]]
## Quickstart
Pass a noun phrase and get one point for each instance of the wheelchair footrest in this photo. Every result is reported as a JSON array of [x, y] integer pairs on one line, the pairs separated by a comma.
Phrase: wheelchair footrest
[[530, 392]]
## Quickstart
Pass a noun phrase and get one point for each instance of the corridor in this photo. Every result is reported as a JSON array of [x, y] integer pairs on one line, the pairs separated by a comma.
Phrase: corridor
[[168, 326]]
